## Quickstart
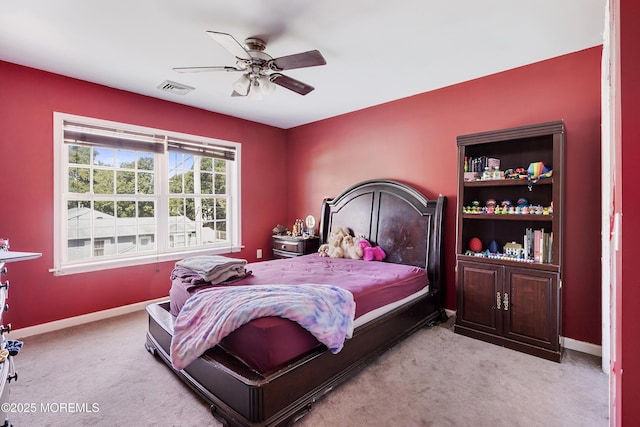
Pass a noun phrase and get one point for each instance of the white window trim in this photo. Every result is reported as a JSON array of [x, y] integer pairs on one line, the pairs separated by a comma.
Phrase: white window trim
[[59, 231]]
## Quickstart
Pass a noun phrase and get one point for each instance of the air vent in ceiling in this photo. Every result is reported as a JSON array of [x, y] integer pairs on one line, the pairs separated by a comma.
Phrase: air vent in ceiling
[[176, 88]]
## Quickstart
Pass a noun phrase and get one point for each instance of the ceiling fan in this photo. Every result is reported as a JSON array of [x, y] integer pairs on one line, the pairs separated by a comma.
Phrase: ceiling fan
[[260, 71]]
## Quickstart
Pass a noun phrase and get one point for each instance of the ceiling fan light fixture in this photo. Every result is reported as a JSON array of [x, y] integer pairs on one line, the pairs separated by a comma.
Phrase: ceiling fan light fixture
[[259, 86], [267, 86], [242, 85], [255, 90]]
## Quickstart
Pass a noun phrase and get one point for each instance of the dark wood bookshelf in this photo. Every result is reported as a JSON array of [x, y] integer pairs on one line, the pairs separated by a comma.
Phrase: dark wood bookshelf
[[510, 302]]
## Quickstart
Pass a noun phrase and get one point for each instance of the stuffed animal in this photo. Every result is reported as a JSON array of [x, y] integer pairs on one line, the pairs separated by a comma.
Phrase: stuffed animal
[[334, 244], [351, 248], [375, 253], [371, 253], [323, 250], [359, 253], [341, 244], [335, 249]]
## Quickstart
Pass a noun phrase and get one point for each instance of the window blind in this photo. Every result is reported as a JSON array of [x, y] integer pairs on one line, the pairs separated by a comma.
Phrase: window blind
[[97, 136], [202, 149]]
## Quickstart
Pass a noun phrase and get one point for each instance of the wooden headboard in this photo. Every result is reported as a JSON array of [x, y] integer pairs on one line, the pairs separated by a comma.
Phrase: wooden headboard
[[394, 216]]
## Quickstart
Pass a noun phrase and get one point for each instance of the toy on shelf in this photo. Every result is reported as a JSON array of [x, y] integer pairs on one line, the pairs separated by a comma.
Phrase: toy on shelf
[[535, 172], [475, 245], [506, 207], [538, 170], [514, 249]]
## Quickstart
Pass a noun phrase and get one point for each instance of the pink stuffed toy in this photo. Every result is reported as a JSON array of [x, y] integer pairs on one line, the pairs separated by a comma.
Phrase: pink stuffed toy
[[371, 253], [374, 253], [363, 243]]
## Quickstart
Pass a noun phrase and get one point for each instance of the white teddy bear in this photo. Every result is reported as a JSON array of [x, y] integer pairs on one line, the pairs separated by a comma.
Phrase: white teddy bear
[[341, 244]]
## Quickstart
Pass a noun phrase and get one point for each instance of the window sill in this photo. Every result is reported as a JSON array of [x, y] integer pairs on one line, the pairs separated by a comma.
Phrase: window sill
[[143, 260]]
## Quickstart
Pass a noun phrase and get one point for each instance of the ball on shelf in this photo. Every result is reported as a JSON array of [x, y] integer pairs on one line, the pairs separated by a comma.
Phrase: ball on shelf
[[475, 245]]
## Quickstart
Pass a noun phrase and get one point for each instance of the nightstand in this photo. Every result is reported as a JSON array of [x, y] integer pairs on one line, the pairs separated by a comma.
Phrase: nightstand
[[287, 246]]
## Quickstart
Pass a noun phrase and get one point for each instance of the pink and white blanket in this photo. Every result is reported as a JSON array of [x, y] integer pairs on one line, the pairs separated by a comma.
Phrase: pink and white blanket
[[208, 316]]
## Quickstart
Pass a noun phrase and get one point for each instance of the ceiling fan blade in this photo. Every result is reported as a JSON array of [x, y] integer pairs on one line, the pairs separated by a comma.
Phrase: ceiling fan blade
[[291, 84], [235, 93], [298, 60], [205, 69], [231, 44]]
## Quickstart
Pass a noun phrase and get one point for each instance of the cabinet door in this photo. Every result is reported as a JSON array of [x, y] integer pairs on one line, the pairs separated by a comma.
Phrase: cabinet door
[[479, 296], [532, 315]]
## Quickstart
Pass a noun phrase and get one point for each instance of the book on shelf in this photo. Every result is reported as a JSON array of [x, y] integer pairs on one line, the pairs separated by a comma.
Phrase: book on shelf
[[478, 164], [538, 245], [548, 243], [528, 244]]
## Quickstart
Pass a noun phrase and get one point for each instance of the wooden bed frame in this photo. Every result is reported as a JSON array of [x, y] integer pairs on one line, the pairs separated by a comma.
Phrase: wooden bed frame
[[387, 213]]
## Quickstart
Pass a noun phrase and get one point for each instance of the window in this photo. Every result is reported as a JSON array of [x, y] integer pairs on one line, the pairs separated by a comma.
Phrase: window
[[127, 195]]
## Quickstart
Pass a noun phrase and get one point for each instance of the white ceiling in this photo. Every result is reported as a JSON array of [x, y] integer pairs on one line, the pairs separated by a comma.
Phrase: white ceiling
[[375, 51]]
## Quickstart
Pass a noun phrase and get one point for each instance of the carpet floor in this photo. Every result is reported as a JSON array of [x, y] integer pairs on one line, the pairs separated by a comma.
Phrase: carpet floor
[[100, 374]]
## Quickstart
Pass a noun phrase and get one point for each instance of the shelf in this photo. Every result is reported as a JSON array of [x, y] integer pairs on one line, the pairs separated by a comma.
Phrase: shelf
[[509, 217], [507, 183], [10, 256], [533, 265]]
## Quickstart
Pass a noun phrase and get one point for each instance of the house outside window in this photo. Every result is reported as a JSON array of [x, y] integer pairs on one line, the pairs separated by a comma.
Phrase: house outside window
[[128, 195], [98, 247]]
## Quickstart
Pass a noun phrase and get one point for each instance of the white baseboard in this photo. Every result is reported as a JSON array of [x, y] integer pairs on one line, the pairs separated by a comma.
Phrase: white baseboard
[[79, 320], [568, 343], [581, 346]]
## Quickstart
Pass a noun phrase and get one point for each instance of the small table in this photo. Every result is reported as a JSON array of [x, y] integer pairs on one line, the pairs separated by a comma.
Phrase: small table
[[288, 247], [9, 256]]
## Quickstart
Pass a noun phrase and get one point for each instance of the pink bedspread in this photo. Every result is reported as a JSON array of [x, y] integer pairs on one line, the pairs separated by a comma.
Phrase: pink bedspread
[[373, 284], [269, 342], [209, 316]]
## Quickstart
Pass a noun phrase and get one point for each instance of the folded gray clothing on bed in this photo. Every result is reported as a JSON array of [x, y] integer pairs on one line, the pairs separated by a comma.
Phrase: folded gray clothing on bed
[[224, 275], [214, 268], [190, 278]]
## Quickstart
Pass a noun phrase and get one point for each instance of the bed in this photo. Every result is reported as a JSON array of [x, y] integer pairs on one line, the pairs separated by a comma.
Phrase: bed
[[246, 392]]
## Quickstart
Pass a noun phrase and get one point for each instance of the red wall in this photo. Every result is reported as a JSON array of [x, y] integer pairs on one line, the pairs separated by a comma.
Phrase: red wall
[[410, 140], [413, 140], [29, 98], [627, 345]]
